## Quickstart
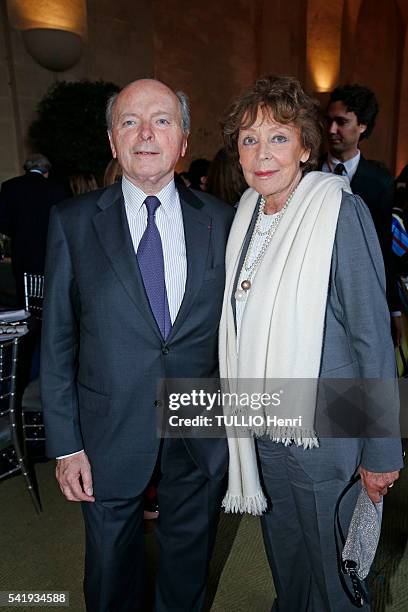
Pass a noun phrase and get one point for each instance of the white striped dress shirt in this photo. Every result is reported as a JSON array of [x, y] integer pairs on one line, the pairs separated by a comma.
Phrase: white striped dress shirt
[[169, 221]]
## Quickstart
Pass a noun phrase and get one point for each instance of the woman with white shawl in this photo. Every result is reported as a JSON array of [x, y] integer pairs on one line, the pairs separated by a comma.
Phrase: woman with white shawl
[[304, 300]]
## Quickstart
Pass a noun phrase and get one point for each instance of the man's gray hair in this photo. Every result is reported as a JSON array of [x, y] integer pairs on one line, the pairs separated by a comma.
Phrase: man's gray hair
[[37, 161], [184, 110], [109, 110]]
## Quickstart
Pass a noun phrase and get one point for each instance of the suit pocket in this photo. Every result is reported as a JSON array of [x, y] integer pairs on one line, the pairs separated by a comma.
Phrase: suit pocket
[[347, 370], [92, 401]]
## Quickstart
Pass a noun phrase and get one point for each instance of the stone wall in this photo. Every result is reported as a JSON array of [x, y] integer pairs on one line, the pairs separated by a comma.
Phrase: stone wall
[[119, 48], [211, 51]]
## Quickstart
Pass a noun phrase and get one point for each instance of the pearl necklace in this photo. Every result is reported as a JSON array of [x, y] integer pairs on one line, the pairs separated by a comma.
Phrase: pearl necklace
[[250, 269]]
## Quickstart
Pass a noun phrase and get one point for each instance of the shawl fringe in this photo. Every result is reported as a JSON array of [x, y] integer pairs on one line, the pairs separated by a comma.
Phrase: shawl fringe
[[287, 435], [293, 435], [239, 504]]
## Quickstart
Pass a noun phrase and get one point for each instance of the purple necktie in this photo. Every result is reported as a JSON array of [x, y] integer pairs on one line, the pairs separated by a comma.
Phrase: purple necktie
[[151, 264]]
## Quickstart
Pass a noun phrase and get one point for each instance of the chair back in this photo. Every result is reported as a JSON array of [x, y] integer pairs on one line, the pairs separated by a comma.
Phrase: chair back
[[12, 457], [34, 293], [9, 459]]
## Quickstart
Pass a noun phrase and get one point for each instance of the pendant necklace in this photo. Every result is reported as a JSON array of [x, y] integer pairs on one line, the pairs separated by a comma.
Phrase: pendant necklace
[[249, 269]]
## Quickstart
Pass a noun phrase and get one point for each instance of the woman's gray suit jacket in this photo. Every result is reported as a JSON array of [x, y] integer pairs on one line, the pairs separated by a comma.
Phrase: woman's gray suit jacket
[[357, 344]]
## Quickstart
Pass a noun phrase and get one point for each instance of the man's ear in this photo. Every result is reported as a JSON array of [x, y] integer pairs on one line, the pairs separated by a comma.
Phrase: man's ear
[[362, 127], [112, 146], [184, 145]]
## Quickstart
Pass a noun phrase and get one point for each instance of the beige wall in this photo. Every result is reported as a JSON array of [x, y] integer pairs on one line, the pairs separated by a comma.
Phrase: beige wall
[[210, 53], [9, 164], [370, 52], [282, 37], [377, 49], [119, 49], [323, 44], [402, 129]]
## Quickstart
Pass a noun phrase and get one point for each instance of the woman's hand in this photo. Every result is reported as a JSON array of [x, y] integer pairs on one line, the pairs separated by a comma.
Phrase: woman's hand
[[377, 483]]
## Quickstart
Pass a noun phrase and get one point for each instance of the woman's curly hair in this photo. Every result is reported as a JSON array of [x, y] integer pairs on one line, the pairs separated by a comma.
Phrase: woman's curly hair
[[283, 99]]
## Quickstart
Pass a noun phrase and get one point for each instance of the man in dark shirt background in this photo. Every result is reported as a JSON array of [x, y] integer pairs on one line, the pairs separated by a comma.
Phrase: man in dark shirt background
[[25, 203]]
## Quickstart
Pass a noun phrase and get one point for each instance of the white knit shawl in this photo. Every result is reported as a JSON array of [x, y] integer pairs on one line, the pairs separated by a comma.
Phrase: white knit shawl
[[282, 326]]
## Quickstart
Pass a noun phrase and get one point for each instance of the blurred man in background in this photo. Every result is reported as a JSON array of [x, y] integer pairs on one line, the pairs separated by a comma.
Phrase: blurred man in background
[[25, 203]]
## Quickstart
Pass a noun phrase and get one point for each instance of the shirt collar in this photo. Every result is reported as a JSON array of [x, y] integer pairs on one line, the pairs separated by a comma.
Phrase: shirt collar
[[135, 197], [350, 165]]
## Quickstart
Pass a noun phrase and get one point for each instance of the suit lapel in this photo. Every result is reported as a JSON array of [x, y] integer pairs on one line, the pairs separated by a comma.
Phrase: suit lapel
[[359, 178], [112, 229], [359, 175], [197, 233]]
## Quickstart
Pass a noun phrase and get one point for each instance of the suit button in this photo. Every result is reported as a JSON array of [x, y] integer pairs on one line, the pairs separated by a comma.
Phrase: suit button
[[165, 350], [157, 404]]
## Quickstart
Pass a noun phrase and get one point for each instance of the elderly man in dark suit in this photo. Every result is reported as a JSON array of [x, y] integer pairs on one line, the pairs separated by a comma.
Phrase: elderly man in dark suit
[[134, 286], [25, 203], [350, 117]]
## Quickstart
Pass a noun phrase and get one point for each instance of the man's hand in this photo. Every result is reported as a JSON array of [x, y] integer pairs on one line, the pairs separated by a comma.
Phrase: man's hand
[[75, 478], [377, 483]]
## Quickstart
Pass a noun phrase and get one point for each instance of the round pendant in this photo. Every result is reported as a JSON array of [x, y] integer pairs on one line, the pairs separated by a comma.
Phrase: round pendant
[[246, 285], [240, 295]]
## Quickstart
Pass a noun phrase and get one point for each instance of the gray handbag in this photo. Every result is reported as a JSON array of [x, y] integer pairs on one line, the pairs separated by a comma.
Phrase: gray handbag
[[363, 534], [359, 548]]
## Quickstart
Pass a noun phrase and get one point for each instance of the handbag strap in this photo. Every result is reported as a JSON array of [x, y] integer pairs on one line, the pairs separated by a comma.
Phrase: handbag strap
[[359, 594]]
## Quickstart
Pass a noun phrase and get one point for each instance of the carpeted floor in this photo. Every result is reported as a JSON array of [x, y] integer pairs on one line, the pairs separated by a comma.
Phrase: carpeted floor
[[46, 552]]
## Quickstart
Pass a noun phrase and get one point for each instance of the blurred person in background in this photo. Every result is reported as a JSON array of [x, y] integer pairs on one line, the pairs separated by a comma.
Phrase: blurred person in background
[[399, 232], [184, 176], [225, 179], [25, 203], [113, 173], [197, 173], [82, 183], [402, 179]]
